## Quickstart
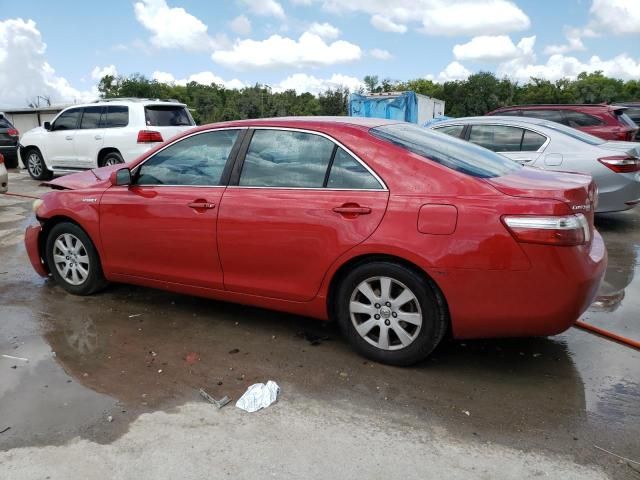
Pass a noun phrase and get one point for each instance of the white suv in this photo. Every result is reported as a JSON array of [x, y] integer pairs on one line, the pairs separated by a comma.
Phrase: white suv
[[102, 133]]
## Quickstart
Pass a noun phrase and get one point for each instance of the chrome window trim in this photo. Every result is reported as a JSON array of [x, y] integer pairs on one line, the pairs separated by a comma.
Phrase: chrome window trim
[[199, 132], [334, 141]]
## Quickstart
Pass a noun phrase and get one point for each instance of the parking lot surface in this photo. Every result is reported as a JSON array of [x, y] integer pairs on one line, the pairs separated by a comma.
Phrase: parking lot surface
[[110, 388]]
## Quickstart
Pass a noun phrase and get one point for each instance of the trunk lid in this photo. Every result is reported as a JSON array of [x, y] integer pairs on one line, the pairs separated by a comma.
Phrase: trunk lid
[[628, 148]]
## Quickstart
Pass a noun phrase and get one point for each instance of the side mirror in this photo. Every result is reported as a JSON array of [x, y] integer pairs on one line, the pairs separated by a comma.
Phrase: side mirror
[[47, 125], [120, 177]]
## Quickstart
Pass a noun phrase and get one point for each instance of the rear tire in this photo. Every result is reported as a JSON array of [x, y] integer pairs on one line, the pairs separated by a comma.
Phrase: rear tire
[[36, 166], [11, 161], [73, 260], [112, 158], [390, 313]]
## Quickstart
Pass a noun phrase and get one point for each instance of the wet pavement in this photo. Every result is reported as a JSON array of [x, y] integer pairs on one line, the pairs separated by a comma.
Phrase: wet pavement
[[131, 350]]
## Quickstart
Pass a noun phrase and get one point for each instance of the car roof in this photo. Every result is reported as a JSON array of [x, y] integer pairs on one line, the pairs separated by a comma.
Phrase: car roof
[[310, 121], [494, 119], [561, 106]]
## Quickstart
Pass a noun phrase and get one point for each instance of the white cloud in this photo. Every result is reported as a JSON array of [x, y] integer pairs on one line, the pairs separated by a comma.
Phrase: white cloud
[[97, 73], [387, 25], [267, 8], [203, 78], [324, 30], [301, 82], [453, 71], [25, 72], [438, 17], [618, 17], [173, 27], [487, 48], [574, 42], [309, 50], [380, 54], [241, 25]]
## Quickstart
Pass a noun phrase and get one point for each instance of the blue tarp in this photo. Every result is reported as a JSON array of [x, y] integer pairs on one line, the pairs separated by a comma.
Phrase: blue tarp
[[398, 107]]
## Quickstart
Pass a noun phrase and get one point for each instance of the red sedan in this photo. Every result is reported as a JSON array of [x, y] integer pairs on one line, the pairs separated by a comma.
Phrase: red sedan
[[401, 234]]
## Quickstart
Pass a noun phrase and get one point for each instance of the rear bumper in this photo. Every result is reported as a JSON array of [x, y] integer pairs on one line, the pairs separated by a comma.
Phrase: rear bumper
[[546, 300], [32, 243], [622, 197]]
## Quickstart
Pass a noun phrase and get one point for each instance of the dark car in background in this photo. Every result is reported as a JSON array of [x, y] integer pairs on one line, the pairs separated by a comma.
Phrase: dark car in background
[[609, 122], [8, 142], [633, 112]]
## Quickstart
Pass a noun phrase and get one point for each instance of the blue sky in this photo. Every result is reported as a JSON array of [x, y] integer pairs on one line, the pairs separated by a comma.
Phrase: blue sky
[[60, 48]]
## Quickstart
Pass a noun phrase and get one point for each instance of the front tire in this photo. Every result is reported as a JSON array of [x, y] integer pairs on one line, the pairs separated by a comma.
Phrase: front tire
[[73, 260], [390, 313], [36, 166]]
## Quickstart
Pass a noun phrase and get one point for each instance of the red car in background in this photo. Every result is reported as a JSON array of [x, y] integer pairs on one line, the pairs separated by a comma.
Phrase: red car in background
[[399, 233], [609, 122]]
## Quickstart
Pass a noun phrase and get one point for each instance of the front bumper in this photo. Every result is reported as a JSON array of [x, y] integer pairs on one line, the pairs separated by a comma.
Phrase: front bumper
[[32, 244]]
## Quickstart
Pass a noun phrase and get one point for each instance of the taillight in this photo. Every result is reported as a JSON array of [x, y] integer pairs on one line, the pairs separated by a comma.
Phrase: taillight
[[567, 230], [1, 159], [621, 163], [149, 136], [12, 132]]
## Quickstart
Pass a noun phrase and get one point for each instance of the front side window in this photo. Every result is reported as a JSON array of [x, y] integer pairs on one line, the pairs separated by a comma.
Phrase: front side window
[[68, 120], [117, 116], [551, 115], [453, 130], [281, 158], [196, 160], [91, 117], [348, 173], [499, 138], [453, 153]]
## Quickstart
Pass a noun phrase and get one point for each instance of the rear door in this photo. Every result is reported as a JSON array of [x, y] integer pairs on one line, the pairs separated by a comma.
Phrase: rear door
[[59, 145], [296, 202], [518, 144], [163, 226], [89, 138]]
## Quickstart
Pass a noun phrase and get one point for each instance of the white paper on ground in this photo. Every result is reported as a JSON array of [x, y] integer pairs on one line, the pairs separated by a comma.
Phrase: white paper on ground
[[258, 396]]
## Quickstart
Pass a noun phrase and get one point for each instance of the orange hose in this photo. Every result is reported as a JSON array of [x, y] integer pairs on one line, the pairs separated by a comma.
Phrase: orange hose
[[18, 195], [610, 335]]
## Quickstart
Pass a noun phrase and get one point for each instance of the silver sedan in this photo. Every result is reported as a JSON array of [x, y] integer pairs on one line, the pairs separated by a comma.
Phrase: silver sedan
[[615, 166], [4, 176]]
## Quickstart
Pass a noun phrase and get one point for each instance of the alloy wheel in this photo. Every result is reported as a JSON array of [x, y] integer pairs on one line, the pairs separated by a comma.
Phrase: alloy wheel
[[385, 313], [71, 259], [34, 163]]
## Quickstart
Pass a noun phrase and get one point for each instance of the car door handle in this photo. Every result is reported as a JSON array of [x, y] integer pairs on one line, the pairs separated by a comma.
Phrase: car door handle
[[68, 137], [352, 210], [201, 204], [98, 137]]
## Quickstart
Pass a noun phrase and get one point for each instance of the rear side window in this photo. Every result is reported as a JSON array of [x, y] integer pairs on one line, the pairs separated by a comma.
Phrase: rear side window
[[510, 113], [280, 158], [91, 117], [348, 173], [456, 154], [499, 138], [68, 120], [167, 116], [453, 130], [532, 141], [579, 119], [551, 115], [196, 160], [117, 116]]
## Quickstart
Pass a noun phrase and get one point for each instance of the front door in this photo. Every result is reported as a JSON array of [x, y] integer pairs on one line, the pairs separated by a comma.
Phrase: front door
[[300, 201], [60, 150], [164, 225]]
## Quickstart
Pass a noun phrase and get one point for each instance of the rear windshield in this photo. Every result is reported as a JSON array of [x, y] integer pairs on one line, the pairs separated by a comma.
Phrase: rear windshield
[[572, 132], [167, 116], [451, 152], [625, 119]]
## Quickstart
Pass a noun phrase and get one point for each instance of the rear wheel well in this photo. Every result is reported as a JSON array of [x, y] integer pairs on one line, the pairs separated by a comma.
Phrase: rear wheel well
[[342, 272], [104, 152]]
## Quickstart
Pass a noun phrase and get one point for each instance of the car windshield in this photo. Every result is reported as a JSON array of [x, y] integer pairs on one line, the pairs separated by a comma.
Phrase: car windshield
[[572, 132], [451, 152], [167, 116]]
